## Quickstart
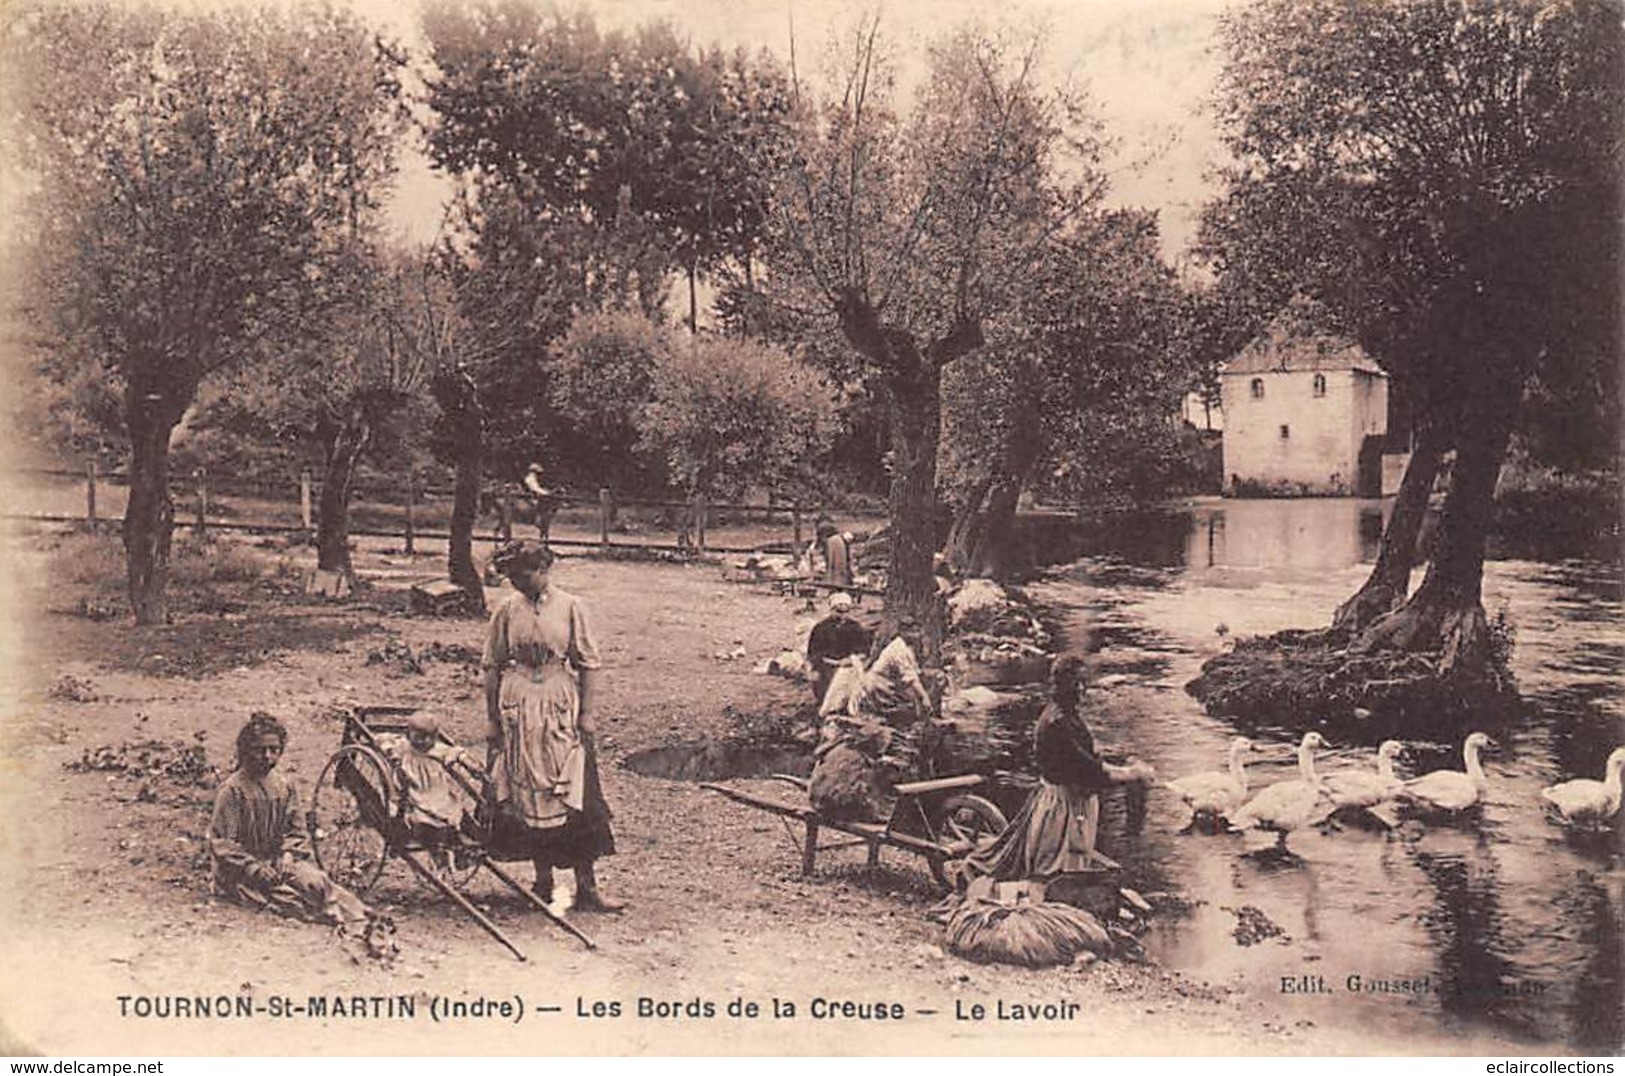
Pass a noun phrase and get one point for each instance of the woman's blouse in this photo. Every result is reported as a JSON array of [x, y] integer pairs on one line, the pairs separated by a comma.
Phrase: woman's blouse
[[1064, 751], [535, 634]]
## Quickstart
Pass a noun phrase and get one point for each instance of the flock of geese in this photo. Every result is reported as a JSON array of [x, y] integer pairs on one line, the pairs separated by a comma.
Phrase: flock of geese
[[1225, 797]]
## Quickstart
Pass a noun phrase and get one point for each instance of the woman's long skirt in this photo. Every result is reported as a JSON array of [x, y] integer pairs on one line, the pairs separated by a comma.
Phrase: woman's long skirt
[[1053, 833], [550, 799]]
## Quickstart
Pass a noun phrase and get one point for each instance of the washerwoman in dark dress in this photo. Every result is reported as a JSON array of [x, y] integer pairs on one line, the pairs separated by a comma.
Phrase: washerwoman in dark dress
[[541, 665], [1055, 831]]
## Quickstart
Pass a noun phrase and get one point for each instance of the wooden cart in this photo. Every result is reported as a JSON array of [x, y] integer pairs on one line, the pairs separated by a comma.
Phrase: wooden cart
[[358, 821], [939, 819]]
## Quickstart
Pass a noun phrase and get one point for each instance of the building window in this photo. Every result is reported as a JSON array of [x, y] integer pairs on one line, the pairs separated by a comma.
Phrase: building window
[[1320, 384], [1285, 432], [1258, 388]]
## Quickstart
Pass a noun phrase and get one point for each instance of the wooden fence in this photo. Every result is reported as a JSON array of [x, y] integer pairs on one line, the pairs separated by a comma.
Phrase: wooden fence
[[206, 503]]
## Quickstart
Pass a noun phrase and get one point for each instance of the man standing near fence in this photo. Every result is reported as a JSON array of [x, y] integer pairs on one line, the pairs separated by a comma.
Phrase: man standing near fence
[[546, 502]]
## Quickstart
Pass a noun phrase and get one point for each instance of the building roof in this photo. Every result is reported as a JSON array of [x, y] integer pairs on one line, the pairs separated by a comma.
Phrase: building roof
[[1294, 342]]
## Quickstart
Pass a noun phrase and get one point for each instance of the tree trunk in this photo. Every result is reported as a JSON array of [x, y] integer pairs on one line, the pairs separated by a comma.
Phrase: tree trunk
[[911, 380], [459, 402], [1446, 614], [344, 449], [915, 407], [964, 533], [979, 544], [1390, 580], [693, 300], [149, 517], [465, 509]]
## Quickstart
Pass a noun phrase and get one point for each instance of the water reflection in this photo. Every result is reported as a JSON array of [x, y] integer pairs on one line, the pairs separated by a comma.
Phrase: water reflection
[[1515, 923], [1302, 534]]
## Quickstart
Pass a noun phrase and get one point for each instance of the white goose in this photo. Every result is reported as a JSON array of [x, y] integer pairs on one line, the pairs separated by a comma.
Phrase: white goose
[[1585, 803], [1360, 789], [1216, 793], [1451, 790], [1288, 805]]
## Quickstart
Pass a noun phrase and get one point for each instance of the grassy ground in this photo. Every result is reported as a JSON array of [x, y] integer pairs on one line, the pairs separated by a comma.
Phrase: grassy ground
[[111, 731]]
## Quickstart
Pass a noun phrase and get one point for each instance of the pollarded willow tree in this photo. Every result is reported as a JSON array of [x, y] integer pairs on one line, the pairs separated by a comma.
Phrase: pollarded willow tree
[[1444, 176], [910, 231], [199, 180], [1091, 339]]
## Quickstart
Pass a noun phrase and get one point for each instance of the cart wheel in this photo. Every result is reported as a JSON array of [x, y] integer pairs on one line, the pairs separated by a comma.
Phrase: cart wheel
[[465, 867], [354, 802], [969, 824]]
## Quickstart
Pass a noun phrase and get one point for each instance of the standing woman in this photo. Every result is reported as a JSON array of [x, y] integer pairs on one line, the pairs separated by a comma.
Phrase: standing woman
[[540, 676]]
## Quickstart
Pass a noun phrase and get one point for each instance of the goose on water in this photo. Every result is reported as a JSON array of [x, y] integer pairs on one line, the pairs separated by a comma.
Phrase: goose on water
[[1451, 790], [1216, 793], [1288, 805], [1360, 789], [1585, 803]]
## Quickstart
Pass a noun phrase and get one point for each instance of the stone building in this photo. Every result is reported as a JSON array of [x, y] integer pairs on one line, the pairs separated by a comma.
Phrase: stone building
[[1305, 414]]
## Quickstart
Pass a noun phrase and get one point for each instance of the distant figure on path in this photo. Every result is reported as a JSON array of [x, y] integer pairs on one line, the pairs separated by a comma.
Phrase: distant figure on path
[[837, 554], [545, 502]]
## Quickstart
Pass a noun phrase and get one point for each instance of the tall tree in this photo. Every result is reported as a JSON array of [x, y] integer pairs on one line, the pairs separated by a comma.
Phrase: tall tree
[[731, 414], [1092, 332], [603, 378], [1444, 176], [199, 177], [911, 233], [557, 136]]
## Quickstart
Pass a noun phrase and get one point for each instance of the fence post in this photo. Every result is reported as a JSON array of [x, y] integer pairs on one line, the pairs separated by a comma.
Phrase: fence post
[[699, 521], [202, 477], [90, 493], [411, 511], [603, 516], [505, 522], [795, 526], [304, 498]]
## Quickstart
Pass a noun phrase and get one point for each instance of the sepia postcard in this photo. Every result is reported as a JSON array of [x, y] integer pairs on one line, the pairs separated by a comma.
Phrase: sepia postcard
[[796, 527]]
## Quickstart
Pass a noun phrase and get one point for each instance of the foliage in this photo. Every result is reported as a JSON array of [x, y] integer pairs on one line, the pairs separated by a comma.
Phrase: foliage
[[1087, 368], [1442, 175], [934, 217], [603, 378], [909, 231], [197, 180], [731, 414]]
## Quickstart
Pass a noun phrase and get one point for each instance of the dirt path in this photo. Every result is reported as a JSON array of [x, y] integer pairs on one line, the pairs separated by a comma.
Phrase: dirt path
[[106, 892]]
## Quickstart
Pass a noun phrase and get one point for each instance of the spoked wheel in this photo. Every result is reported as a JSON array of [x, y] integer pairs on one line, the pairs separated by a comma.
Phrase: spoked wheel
[[465, 867], [969, 824], [355, 802]]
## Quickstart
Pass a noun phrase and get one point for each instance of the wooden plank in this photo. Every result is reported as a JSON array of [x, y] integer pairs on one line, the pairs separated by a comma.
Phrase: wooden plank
[[772, 806], [915, 788]]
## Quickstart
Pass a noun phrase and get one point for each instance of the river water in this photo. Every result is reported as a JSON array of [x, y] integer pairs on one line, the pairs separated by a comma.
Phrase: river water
[[1503, 920]]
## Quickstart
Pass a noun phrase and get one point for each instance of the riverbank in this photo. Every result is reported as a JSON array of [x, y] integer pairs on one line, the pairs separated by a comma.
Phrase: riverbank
[[107, 897]]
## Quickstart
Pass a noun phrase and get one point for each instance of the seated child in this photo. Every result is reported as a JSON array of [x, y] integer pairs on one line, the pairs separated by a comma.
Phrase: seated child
[[437, 803], [258, 847]]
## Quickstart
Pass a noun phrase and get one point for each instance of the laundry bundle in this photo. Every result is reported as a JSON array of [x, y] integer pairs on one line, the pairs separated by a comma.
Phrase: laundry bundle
[[1016, 925]]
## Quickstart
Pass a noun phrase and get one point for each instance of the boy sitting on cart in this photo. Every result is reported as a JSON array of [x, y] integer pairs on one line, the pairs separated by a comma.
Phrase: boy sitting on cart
[[257, 841], [439, 780]]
